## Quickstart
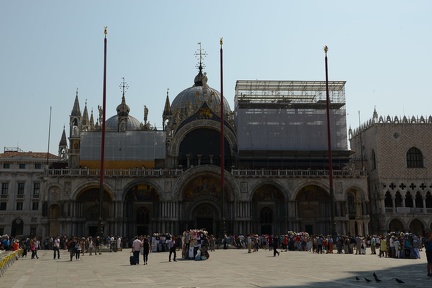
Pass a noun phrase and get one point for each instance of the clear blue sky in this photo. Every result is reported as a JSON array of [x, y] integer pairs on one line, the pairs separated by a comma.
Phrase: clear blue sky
[[48, 49]]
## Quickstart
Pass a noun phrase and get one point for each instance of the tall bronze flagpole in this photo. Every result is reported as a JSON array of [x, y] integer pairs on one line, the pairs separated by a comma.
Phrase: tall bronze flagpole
[[330, 160], [222, 148], [102, 167]]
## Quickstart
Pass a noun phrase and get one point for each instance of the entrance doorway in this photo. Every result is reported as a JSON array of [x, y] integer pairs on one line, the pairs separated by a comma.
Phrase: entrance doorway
[[205, 224], [92, 231], [309, 229]]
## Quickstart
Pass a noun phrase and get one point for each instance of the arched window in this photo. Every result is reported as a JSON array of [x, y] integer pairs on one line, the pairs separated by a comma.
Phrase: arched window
[[414, 158], [418, 200], [408, 200], [388, 202], [398, 199], [428, 200], [373, 160]]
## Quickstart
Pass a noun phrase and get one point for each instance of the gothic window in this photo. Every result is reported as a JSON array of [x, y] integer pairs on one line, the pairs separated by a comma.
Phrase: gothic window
[[408, 200], [428, 200], [414, 158], [418, 200], [388, 200], [373, 160], [266, 215], [398, 199]]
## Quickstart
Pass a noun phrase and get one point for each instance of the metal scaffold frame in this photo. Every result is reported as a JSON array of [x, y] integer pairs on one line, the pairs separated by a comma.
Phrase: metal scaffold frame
[[288, 92]]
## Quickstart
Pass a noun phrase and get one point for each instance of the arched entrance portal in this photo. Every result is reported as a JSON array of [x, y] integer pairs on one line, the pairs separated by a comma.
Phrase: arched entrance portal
[[203, 203], [396, 226], [140, 203], [416, 227], [268, 201], [204, 216], [313, 206], [88, 208]]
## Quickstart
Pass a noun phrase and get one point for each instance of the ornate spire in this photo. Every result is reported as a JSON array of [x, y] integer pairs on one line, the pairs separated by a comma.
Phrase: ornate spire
[[63, 141], [85, 119], [200, 54], [123, 108], [167, 109], [76, 111], [92, 126]]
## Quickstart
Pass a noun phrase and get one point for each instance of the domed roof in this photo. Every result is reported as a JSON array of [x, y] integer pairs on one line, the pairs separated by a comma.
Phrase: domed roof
[[196, 95], [132, 124]]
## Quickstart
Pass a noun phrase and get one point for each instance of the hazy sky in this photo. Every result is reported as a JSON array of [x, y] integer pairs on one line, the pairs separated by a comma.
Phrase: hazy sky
[[48, 49]]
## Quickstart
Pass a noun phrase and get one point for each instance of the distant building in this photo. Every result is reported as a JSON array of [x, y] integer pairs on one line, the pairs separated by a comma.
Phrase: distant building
[[22, 178], [397, 155]]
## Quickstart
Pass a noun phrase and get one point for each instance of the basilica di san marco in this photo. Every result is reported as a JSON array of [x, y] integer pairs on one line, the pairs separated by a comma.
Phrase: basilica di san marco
[[156, 181]]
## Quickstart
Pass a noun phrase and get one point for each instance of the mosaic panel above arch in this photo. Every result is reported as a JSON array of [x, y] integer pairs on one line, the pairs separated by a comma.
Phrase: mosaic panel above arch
[[204, 186], [268, 192], [143, 193]]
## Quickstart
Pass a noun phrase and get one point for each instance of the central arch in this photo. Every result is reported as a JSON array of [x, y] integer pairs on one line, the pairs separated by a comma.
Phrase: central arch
[[205, 216], [313, 209]]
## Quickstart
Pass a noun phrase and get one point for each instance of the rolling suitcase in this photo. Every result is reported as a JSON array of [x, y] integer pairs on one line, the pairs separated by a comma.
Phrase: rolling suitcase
[[132, 260]]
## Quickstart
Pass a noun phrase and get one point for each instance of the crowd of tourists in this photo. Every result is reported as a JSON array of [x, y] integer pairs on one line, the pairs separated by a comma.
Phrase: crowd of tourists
[[393, 244]]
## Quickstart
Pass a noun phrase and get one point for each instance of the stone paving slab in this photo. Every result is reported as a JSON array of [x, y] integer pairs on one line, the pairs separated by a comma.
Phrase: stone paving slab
[[224, 268]]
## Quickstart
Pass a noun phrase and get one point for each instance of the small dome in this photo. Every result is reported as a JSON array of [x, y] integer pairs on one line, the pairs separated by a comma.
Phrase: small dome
[[132, 124]]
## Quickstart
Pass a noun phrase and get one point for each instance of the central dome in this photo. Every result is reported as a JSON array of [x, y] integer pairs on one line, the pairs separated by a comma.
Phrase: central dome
[[196, 95]]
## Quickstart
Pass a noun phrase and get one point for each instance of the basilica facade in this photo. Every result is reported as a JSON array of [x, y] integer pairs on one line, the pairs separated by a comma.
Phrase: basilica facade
[[275, 161], [275, 175]]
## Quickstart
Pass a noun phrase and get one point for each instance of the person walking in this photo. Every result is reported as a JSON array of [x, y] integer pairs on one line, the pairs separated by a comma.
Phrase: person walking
[[172, 248], [90, 245], [71, 247], [77, 249], [275, 245], [428, 248], [97, 246], [136, 247], [146, 250], [56, 247]]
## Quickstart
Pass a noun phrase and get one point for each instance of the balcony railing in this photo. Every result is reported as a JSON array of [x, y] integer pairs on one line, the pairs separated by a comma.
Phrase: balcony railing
[[114, 172], [298, 173], [408, 210], [177, 172]]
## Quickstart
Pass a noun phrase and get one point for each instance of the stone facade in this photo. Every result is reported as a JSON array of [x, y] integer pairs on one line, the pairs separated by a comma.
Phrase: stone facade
[[397, 155]]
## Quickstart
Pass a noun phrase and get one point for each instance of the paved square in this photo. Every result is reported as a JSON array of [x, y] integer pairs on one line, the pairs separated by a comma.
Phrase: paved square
[[224, 268]]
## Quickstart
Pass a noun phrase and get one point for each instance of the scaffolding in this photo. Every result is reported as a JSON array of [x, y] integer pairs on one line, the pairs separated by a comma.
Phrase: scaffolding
[[289, 115], [288, 94]]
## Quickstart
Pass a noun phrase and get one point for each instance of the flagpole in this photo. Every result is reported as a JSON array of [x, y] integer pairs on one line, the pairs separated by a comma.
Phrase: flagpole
[[222, 148], [49, 136], [330, 160], [102, 167]]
